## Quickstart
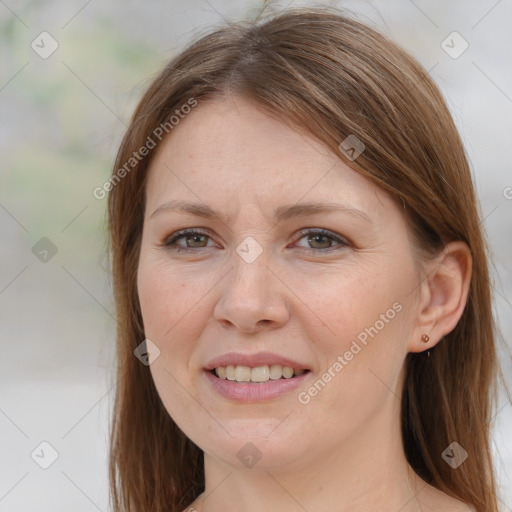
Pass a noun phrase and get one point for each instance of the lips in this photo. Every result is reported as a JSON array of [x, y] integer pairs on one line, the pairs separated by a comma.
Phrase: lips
[[254, 392], [255, 377], [254, 360]]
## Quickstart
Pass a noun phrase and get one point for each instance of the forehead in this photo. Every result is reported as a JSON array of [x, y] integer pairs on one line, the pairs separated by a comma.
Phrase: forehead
[[228, 153]]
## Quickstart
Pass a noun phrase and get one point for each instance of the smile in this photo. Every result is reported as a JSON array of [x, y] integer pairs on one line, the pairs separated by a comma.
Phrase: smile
[[258, 374], [249, 391]]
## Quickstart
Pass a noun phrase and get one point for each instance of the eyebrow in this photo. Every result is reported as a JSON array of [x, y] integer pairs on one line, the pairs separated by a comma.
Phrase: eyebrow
[[281, 213]]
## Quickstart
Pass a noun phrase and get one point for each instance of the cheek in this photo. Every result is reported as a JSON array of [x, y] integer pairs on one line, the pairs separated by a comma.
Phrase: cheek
[[353, 304], [170, 311], [171, 317], [169, 300], [363, 325]]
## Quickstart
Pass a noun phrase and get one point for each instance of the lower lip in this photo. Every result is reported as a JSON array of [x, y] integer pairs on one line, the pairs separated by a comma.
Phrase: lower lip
[[259, 392]]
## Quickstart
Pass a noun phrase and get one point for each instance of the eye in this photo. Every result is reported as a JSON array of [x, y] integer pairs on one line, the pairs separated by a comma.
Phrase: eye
[[321, 240], [194, 239]]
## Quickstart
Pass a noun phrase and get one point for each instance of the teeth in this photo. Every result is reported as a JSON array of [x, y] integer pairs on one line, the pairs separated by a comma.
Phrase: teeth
[[276, 371], [287, 372], [230, 373], [260, 374], [242, 373]]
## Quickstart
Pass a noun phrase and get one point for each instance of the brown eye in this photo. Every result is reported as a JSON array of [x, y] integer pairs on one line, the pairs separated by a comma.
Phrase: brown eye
[[322, 241], [193, 240], [318, 240]]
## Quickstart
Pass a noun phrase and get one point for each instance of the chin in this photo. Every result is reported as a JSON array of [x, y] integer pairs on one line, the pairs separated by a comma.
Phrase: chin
[[253, 444]]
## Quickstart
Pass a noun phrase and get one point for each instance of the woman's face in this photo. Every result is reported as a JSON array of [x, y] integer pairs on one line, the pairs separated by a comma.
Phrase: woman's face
[[269, 283]]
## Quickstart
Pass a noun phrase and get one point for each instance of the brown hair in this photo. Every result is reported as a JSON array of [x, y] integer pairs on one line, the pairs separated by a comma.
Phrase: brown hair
[[331, 77]]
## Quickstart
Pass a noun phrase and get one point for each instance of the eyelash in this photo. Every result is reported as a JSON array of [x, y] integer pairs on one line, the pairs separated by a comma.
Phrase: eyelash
[[170, 242]]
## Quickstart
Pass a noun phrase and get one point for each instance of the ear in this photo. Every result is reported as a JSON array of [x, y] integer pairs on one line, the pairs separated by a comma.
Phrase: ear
[[443, 295]]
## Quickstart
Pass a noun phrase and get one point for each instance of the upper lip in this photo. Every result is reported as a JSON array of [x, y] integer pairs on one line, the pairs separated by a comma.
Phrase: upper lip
[[253, 360]]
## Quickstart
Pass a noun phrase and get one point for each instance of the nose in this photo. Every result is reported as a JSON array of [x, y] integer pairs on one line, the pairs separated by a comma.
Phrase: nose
[[253, 297]]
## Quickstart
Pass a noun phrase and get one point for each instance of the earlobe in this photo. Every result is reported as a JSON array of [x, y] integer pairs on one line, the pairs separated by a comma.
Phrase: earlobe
[[444, 295]]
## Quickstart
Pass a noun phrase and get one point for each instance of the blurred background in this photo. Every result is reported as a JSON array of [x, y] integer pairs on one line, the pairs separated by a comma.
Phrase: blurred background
[[70, 75]]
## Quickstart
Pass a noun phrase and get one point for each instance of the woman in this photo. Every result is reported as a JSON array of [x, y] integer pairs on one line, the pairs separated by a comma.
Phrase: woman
[[300, 270]]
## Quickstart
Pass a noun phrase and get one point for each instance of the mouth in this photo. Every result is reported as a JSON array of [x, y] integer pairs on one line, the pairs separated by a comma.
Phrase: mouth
[[257, 374], [257, 384], [257, 377]]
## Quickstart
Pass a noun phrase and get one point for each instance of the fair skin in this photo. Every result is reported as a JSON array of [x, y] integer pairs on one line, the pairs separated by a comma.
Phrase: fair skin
[[342, 449]]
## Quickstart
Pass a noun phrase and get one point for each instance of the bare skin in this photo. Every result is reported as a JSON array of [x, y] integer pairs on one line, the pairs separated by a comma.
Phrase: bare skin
[[339, 448]]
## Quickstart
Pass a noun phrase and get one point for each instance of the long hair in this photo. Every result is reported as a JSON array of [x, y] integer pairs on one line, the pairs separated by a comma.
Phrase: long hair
[[329, 76]]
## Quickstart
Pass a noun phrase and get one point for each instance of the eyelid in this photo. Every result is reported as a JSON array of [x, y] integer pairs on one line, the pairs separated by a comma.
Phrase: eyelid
[[342, 242], [181, 233], [322, 231]]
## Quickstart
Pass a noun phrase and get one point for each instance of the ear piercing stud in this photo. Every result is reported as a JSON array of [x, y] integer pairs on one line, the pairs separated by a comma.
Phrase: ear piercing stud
[[425, 338]]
